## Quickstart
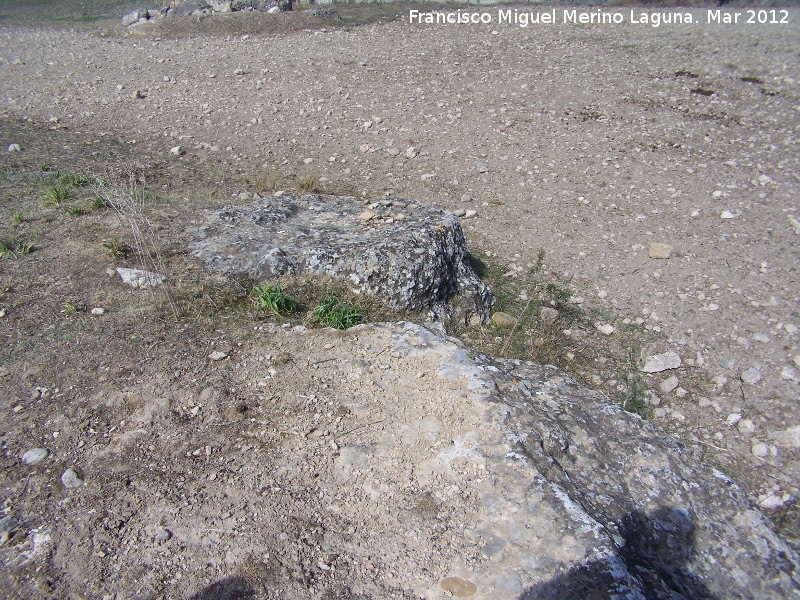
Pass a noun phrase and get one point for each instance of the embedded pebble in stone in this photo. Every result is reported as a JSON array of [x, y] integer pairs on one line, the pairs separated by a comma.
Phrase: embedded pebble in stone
[[548, 315], [163, 534], [660, 251], [668, 384], [14, 148], [657, 363], [459, 588], [217, 355], [760, 450], [751, 376], [98, 311], [501, 319], [35, 455], [70, 479]]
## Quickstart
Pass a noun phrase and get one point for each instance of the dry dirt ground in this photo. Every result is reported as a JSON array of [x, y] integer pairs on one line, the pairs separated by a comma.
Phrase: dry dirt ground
[[589, 141]]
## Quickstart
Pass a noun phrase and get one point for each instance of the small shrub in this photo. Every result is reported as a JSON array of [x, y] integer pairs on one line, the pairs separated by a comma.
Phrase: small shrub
[[117, 248], [308, 185], [274, 300], [77, 211], [17, 219], [99, 203], [332, 313], [58, 193], [14, 247], [71, 179]]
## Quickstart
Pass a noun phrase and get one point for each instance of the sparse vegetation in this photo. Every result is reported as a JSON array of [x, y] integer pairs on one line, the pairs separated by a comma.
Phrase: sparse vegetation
[[308, 185], [274, 300], [77, 211], [332, 313], [58, 193], [14, 247], [17, 219], [117, 248]]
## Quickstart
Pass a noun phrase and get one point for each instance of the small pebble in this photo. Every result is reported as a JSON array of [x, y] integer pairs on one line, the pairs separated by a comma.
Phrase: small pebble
[[98, 311], [751, 376], [668, 384], [217, 355], [760, 450], [606, 329], [14, 148], [35, 455], [163, 534], [70, 479]]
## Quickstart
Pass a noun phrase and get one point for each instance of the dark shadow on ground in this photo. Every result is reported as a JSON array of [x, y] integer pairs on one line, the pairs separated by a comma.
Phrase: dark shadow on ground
[[230, 588], [658, 548]]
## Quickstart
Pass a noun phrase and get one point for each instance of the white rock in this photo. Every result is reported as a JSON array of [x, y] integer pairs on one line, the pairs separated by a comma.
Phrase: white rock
[[727, 215], [661, 362], [788, 373], [460, 212], [606, 329], [795, 223], [34, 456], [796, 361], [482, 167], [217, 355], [14, 148], [98, 311], [746, 426], [308, 161], [411, 152], [177, 151], [138, 278], [392, 151], [669, 384], [70, 479], [790, 328], [470, 213], [760, 450], [760, 337], [771, 501], [788, 438], [751, 376], [733, 418]]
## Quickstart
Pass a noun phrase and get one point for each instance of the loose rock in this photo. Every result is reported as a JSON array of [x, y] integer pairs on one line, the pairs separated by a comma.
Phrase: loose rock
[[751, 376], [548, 315], [660, 251], [501, 319], [668, 384], [661, 362], [14, 148], [139, 279], [35, 455], [71, 479]]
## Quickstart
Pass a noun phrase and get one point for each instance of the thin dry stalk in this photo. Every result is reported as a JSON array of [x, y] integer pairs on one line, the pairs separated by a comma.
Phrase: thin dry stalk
[[128, 200]]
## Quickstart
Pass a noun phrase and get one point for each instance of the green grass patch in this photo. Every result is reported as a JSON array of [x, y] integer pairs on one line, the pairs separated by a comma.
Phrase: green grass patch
[[332, 313], [58, 193], [274, 300]]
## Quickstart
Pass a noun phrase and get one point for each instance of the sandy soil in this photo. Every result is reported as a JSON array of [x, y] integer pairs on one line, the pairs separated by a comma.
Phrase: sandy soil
[[592, 142]]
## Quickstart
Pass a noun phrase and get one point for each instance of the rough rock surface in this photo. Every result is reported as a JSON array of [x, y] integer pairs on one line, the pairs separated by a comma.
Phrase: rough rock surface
[[401, 467], [412, 255]]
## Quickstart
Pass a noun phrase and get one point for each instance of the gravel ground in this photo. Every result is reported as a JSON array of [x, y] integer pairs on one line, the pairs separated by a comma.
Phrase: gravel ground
[[593, 142]]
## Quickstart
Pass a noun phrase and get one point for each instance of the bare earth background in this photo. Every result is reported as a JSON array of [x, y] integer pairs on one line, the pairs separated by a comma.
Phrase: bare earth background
[[592, 142]]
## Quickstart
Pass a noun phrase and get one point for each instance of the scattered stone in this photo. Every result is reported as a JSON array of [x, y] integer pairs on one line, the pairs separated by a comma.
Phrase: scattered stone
[[661, 362], [34, 456], [139, 279], [412, 152], [733, 419], [681, 392], [97, 311], [459, 212], [308, 161], [790, 328], [796, 361], [606, 329], [14, 148], [392, 151], [727, 215], [366, 216], [789, 373], [669, 384], [751, 376], [501, 319], [133, 17], [8, 525], [459, 588], [71, 479], [661, 251], [177, 151], [795, 224], [482, 167], [788, 438], [746, 426], [548, 315], [163, 534], [760, 450], [217, 355], [760, 337]]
